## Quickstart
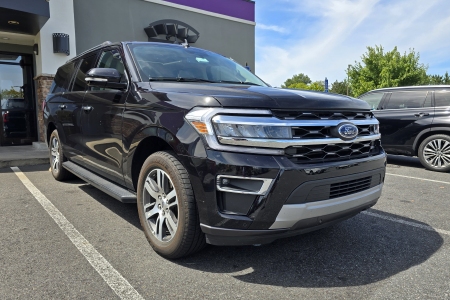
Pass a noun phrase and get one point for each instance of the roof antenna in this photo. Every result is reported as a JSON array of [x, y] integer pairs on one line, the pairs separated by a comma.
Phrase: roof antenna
[[185, 44]]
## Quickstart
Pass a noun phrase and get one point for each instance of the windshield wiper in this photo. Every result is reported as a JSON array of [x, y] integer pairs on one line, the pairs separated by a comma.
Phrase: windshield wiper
[[180, 79], [239, 82]]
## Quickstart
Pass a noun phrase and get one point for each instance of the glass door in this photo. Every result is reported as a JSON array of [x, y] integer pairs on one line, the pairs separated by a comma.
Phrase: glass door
[[18, 112]]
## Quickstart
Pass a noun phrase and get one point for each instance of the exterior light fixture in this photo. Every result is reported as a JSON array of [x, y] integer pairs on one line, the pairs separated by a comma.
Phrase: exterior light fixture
[[13, 23], [36, 49], [61, 43]]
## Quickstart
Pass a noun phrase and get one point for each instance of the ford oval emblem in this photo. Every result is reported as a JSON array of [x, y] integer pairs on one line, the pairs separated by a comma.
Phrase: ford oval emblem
[[347, 131]]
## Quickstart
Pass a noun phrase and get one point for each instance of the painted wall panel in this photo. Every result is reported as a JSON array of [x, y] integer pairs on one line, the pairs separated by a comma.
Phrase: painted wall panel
[[124, 20]]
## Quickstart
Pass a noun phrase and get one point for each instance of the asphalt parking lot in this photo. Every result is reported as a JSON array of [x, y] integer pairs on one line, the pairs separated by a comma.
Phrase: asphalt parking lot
[[71, 241]]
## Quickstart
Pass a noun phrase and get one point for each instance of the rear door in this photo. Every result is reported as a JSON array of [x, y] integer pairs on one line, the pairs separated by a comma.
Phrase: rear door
[[442, 110], [102, 113], [403, 115]]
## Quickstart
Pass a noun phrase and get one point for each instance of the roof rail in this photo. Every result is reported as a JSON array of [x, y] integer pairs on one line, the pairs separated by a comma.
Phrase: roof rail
[[106, 43]]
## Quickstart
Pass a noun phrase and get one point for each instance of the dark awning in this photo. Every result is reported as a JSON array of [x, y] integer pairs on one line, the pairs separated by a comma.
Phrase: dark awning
[[23, 16]]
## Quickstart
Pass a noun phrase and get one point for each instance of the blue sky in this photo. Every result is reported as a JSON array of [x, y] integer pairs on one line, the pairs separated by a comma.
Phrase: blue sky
[[321, 37]]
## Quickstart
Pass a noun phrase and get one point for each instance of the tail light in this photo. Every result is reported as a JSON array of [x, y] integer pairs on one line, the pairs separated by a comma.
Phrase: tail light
[[6, 117]]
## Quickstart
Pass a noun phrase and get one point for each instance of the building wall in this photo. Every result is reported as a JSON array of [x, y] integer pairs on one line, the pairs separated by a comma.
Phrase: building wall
[[124, 20], [61, 21]]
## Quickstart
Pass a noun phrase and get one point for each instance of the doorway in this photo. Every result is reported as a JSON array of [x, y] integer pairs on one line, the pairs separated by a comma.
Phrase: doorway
[[18, 108]]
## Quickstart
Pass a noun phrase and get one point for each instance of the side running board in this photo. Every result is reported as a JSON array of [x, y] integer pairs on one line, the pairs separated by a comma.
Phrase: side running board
[[104, 185]]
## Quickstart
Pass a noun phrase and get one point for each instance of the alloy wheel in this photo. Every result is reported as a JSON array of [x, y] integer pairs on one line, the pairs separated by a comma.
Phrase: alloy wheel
[[55, 154], [437, 153], [160, 205]]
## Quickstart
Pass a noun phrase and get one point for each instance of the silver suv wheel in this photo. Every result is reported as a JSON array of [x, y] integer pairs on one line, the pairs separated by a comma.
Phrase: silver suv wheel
[[437, 153], [161, 205]]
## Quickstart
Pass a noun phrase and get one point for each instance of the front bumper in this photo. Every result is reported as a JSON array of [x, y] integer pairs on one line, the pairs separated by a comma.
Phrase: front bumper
[[301, 198]]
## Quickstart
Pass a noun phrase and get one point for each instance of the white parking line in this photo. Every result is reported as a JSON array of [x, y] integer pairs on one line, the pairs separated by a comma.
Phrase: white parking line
[[423, 179], [111, 276], [426, 227]]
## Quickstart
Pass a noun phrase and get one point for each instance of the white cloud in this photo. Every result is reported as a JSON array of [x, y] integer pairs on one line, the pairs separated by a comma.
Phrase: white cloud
[[271, 27], [341, 30]]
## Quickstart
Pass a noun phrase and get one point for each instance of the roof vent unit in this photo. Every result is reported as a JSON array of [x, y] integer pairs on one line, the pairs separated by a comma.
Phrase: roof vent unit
[[171, 31]]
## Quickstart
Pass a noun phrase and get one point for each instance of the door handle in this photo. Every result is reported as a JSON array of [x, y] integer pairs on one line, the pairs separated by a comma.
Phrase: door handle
[[62, 106], [421, 114], [87, 108]]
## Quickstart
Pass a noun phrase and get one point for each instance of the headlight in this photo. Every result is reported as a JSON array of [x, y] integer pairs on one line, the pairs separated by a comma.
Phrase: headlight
[[376, 129], [252, 131], [212, 123]]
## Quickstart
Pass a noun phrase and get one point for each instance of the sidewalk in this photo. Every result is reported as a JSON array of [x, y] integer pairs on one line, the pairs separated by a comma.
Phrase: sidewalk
[[14, 156]]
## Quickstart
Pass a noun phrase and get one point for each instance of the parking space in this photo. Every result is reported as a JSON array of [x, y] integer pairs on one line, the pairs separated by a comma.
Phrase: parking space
[[398, 250]]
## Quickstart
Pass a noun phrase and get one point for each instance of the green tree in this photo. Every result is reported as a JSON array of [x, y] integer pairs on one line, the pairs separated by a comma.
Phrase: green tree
[[299, 78], [340, 87], [317, 86], [438, 79], [9, 94], [379, 69]]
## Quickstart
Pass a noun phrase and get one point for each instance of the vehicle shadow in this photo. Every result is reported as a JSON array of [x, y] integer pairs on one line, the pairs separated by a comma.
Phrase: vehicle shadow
[[127, 211], [359, 251], [362, 250], [397, 161]]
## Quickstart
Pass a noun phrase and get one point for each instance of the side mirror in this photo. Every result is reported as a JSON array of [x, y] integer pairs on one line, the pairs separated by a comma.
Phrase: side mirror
[[105, 78]]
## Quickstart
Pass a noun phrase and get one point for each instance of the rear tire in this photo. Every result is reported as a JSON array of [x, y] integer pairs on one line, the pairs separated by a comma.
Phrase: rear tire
[[57, 158], [167, 207], [434, 153]]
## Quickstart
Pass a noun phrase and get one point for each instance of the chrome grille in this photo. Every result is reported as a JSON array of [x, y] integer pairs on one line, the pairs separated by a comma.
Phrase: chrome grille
[[323, 132], [332, 152], [321, 115]]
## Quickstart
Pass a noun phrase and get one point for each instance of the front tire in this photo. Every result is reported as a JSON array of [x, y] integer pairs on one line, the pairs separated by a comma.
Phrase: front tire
[[167, 208], [57, 158], [434, 153]]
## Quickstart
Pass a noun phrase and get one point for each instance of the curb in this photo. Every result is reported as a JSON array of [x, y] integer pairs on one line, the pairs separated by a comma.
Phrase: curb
[[24, 162]]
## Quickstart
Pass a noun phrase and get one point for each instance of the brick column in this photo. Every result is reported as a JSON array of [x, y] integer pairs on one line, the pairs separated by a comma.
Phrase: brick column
[[43, 83]]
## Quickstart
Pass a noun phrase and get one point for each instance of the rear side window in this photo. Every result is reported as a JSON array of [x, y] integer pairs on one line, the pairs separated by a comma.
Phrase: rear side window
[[62, 78], [373, 99], [85, 65], [402, 100], [442, 98]]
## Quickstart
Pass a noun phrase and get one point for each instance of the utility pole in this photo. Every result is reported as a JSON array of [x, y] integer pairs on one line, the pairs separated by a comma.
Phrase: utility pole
[[348, 70]]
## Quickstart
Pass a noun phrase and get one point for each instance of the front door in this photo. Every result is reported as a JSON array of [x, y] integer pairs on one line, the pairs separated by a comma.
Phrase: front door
[[102, 113], [403, 116]]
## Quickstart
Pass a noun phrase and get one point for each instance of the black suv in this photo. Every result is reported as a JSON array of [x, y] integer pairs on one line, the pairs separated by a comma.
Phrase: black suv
[[415, 121], [210, 153]]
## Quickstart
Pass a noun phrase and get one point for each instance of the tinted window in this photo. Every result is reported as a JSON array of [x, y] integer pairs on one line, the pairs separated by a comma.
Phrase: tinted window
[[86, 64], [112, 59], [442, 98], [373, 99], [401, 100], [428, 100], [62, 78]]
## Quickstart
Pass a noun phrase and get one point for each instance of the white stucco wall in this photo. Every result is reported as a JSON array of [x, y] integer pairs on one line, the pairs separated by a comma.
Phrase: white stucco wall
[[61, 21]]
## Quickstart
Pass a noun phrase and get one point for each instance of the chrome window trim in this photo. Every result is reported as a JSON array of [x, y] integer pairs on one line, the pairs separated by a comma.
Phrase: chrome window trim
[[267, 183], [282, 144]]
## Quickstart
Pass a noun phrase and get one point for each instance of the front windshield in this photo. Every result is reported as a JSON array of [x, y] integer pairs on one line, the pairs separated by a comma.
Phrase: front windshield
[[159, 62]]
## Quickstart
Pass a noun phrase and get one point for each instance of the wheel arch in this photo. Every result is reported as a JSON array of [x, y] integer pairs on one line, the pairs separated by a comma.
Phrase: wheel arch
[[427, 133], [50, 128]]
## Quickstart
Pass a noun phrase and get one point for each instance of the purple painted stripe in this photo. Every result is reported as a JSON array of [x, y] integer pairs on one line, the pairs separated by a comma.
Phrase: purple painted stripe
[[241, 9]]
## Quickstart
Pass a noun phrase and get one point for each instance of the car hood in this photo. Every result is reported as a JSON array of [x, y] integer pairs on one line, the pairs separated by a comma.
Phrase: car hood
[[247, 96]]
